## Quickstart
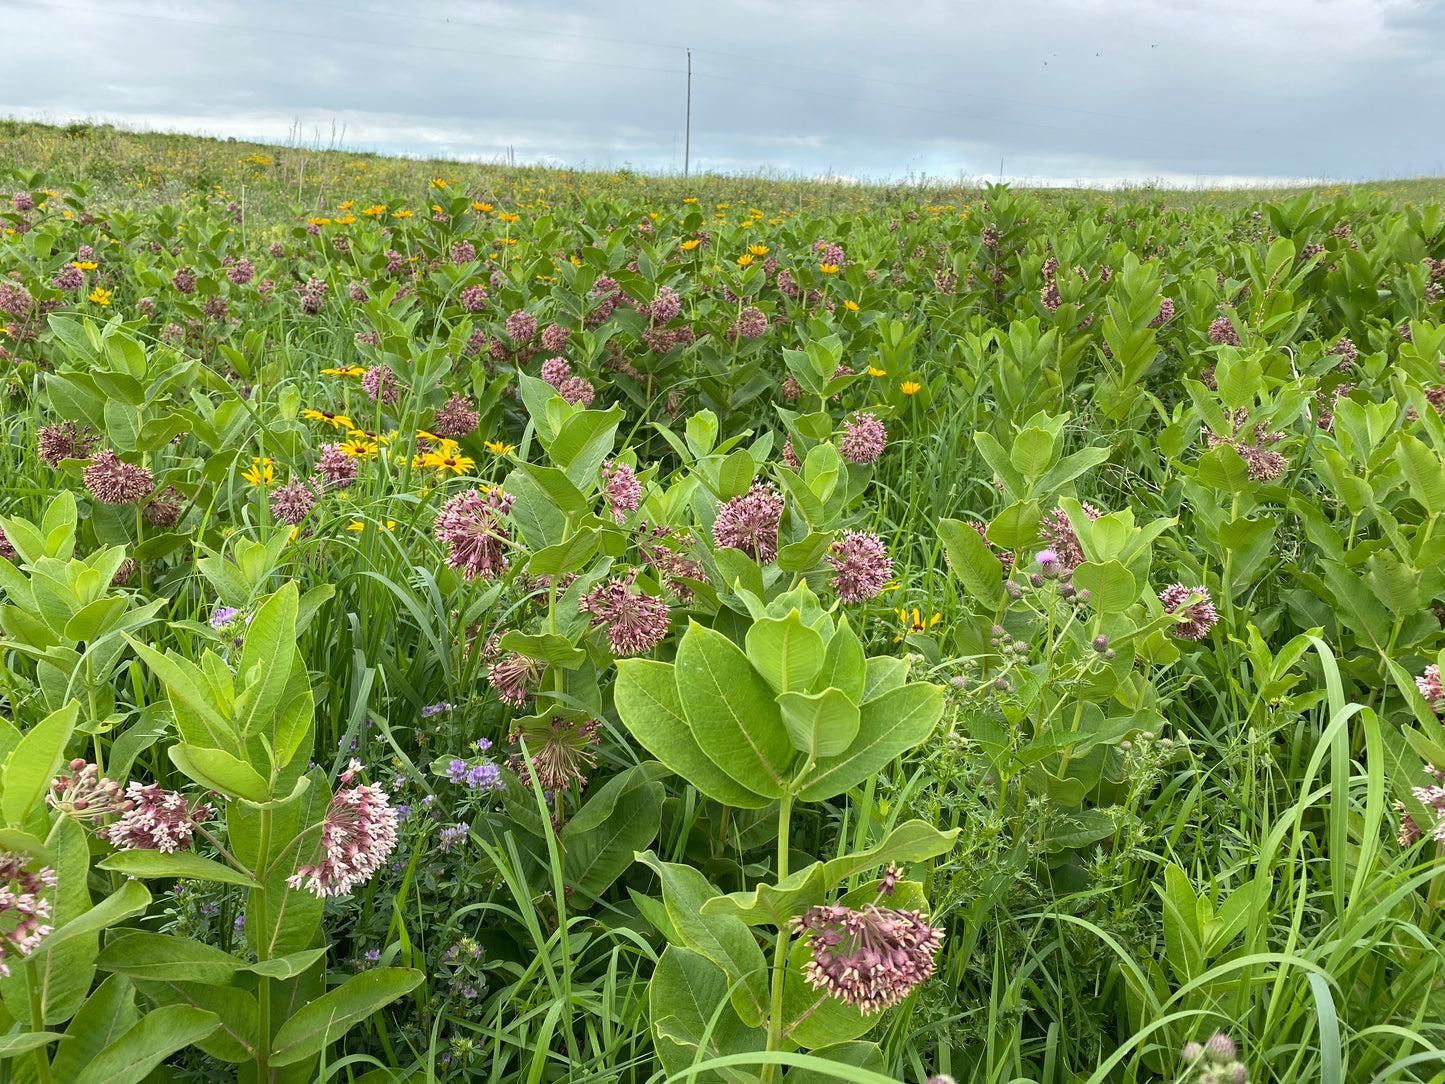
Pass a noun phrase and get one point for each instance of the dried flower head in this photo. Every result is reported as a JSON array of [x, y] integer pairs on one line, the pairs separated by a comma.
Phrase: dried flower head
[[558, 751], [164, 509]]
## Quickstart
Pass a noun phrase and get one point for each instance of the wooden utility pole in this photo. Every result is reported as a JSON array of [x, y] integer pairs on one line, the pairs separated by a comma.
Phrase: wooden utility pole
[[687, 137]]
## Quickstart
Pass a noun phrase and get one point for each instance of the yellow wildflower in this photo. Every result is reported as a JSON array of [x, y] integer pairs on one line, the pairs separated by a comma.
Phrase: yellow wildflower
[[851, 306], [873, 370], [400, 214], [437, 182], [374, 210], [499, 447], [828, 268], [689, 199], [84, 265], [745, 259], [101, 297], [908, 387], [478, 205], [915, 622], [690, 244], [318, 221], [349, 370], [444, 461], [358, 525], [260, 472], [358, 448], [758, 250], [337, 421], [346, 205], [508, 216]]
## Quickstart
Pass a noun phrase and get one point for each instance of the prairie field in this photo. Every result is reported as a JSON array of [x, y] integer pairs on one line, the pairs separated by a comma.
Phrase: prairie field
[[470, 622]]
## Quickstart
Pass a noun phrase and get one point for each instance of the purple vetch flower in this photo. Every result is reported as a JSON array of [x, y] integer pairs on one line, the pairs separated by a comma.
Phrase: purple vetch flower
[[292, 503], [222, 616], [634, 621], [1200, 616], [554, 339], [471, 526], [623, 490], [869, 958], [521, 325], [158, 820], [455, 418], [336, 468], [440, 706], [861, 565], [473, 297], [357, 835], [111, 480], [555, 371], [62, 441], [863, 439], [372, 956], [379, 382], [750, 522], [483, 776], [23, 894], [452, 837]]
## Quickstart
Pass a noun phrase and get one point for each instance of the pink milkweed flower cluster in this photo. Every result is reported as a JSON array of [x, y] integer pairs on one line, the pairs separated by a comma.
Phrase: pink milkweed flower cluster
[[863, 439], [23, 895], [455, 418], [750, 522], [521, 326], [559, 751], [634, 621], [111, 480], [157, 820], [514, 677], [869, 958], [1431, 688], [292, 503], [622, 489], [861, 565], [1200, 616], [62, 441], [85, 794], [379, 382], [357, 835], [474, 297], [336, 468], [471, 526]]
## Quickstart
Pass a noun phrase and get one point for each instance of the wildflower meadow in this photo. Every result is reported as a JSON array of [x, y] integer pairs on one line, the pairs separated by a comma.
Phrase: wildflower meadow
[[470, 623]]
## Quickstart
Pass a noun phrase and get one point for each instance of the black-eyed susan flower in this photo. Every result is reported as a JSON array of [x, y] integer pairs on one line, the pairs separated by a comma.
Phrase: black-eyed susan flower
[[260, 472], [499, 447], [444, 461], [913, 621], [358, 447], [349, 370], [100, 297], [360, 525], [336, 421]]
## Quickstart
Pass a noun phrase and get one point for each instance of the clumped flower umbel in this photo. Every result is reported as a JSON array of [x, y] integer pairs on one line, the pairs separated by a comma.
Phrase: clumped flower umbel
[[750, 522], [470, 524], [64, 440], [455, 418], [863, 439], [1431, 688], [634, 621], [1214, 1061], [1059, 533], [85, 794], [869, 958], [357, 835], [379, 382], [521, 326], [559, 751], [1200, 616], [861, 565], [336, 468], [1433, 799], [292, 503], [623, 490], [514, 677], [111, 480], [157, 820], [23, 894]]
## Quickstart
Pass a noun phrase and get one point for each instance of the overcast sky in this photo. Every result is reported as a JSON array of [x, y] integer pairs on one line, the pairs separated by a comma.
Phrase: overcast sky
[[1184, 91]]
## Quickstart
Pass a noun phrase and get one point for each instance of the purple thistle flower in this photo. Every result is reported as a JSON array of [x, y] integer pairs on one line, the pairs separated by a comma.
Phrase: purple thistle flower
[[623, 490], [111, 480], [1200, 616], [358, 833], [379, 382], [23, 894], [861, 565], [292, 503], [470, 524], [634, 621], [750, 522], [158, 820], [337, 469], [863, 439], [521, 326], [870, 958], [455, 418], [474, 297]]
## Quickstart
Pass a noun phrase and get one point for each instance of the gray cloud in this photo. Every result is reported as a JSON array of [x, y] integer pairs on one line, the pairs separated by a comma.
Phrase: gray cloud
[[1059, 90]]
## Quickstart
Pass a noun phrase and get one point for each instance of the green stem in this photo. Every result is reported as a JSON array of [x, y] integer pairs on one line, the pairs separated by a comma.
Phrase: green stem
[[780, 947], [263, 952], [37, 1021]]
